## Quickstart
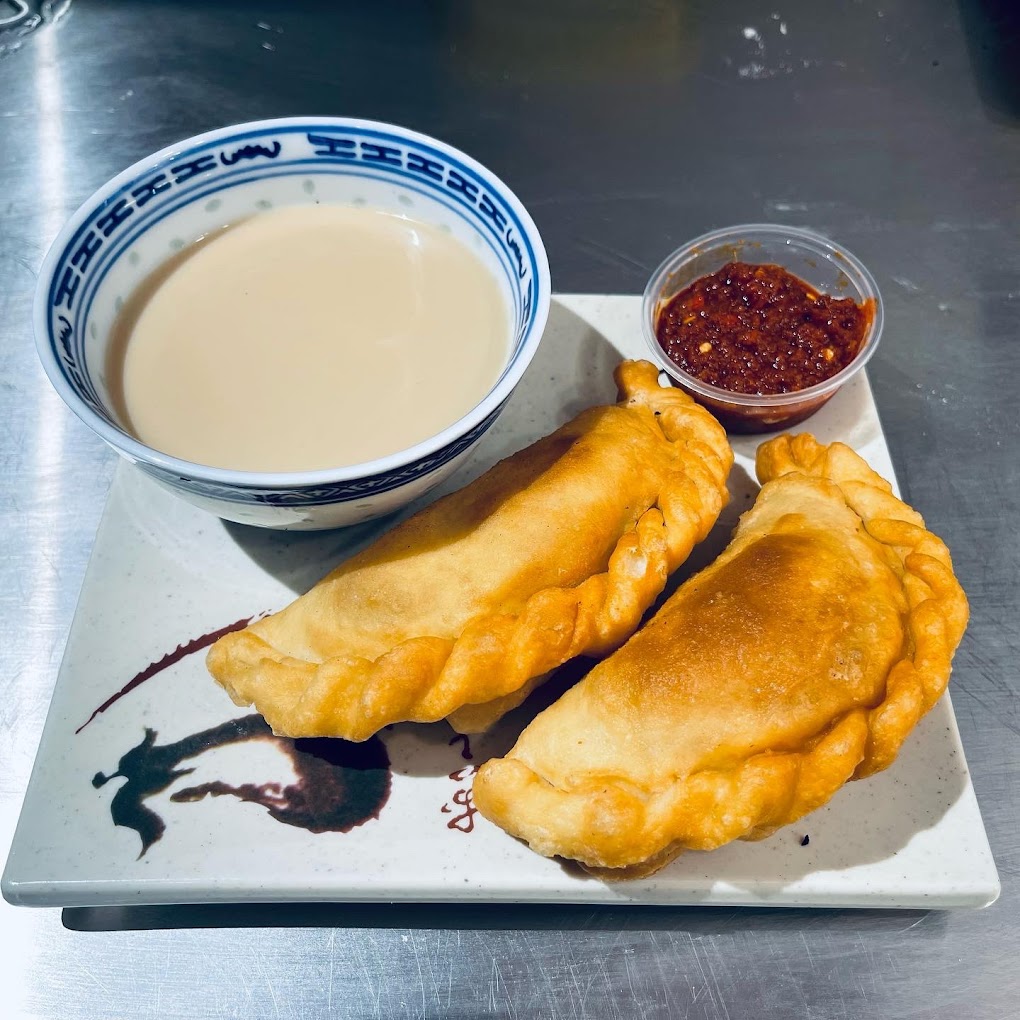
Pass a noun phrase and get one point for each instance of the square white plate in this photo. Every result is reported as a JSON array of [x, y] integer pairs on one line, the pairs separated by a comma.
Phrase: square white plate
[[163, 574]]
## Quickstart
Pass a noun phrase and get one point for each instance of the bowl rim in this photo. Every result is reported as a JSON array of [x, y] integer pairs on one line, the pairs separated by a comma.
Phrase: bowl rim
[[136, 450], [800, 237]]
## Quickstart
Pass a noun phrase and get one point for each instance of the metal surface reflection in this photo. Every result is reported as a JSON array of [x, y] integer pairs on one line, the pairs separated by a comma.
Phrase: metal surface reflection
[[889, 126], [19, 18]]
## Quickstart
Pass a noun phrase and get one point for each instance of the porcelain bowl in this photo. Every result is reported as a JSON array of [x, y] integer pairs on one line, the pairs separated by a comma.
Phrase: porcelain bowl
[[152, 210]]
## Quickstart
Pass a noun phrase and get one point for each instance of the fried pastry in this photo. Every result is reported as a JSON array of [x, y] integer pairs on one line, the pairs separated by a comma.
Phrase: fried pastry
[[554, 552], [800, 659]]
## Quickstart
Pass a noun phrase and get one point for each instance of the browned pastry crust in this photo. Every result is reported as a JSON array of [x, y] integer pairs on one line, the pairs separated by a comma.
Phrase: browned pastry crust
[[800, 659], [554, 552]]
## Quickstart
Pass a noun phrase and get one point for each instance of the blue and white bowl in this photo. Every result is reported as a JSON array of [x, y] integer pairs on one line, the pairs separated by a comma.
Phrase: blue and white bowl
[[165, 202]]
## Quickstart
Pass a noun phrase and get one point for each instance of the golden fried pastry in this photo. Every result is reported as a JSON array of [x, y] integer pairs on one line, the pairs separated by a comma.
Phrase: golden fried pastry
[[554, 552], [800, 659]]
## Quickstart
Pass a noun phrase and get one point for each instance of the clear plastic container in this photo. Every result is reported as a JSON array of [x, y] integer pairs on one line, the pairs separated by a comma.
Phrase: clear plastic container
[[822, 263]]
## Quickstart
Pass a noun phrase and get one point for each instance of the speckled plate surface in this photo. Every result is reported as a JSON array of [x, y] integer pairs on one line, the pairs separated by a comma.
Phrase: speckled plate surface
[[213, 808]]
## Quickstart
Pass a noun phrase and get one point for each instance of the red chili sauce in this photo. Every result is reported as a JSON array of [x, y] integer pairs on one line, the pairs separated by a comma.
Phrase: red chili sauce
[[759, 329]]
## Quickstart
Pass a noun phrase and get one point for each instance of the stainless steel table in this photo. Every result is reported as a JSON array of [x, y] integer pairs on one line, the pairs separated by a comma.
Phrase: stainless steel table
[[893, 125]]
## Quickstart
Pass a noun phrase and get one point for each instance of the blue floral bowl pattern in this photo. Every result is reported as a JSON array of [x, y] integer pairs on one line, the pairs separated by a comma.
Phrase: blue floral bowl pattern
[[163, 203]]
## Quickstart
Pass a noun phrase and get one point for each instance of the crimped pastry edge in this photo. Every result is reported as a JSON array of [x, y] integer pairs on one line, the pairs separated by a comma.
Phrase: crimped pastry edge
[[413, 681], [709, 808]]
